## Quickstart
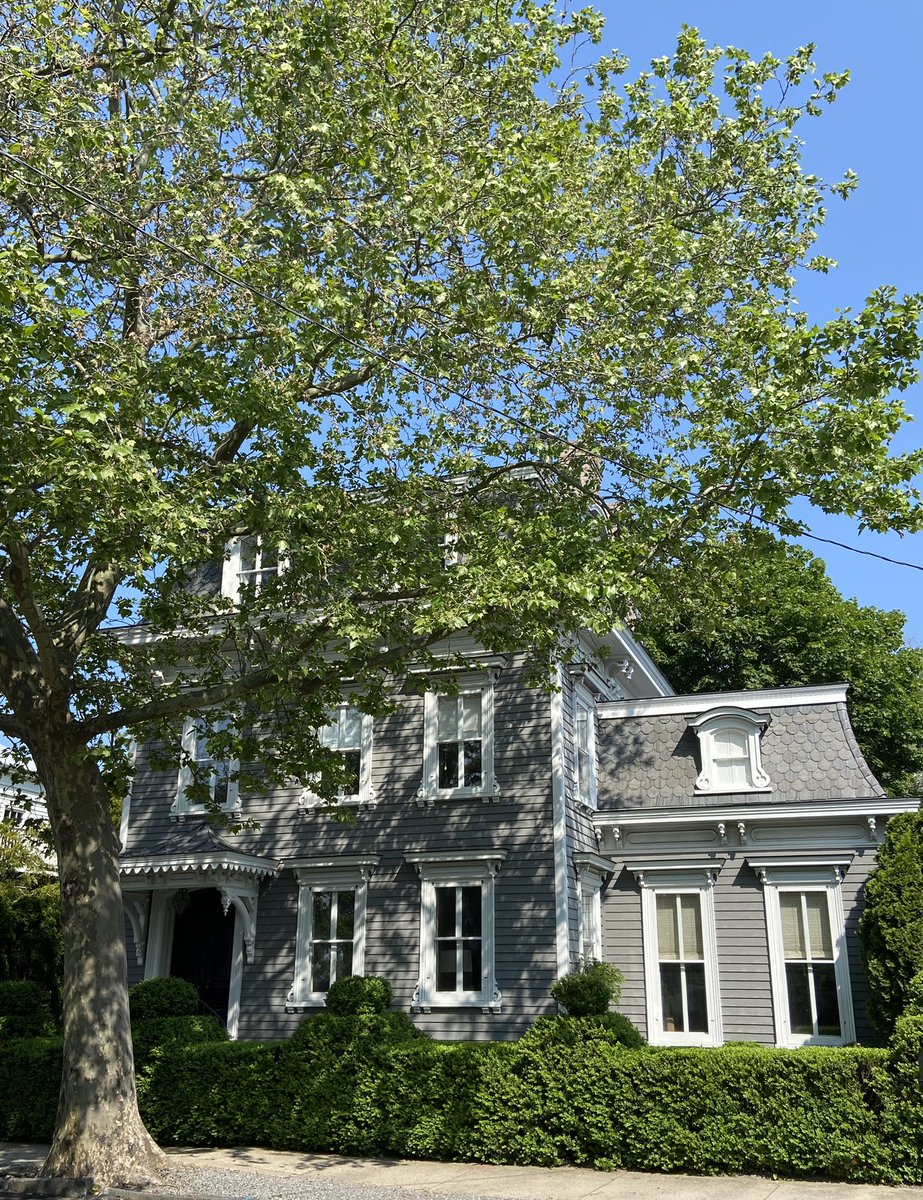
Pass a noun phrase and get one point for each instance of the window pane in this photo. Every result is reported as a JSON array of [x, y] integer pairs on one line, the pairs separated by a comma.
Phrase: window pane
[[732, 773], [322, 905], [667, 931], [220, 790], [447, 721], [583, 728], [448, 764], [473, 764], [445, 912], [671, 993], [350, 729], [344, 959], [269, 559], [247, 554], [471, 966], [471, 715], [353, 761], [828, 1009], [691, 911], [346, 912], [799, 998], [471, 912], [445, 967], [731, 743], [818, 925], [320, 967], [695, 997], [792, 925]]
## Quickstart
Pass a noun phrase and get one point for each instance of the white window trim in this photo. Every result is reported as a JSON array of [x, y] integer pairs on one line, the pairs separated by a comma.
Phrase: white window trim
[[456, 870], [740, 720], [679, 879], [365, 797], [344, 873], [806, 876], [181, 807], [230, 568], [430, 792], [591, 871], [583, 700]]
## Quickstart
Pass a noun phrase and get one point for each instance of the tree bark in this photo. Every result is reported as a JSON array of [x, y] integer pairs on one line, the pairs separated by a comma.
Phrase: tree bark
[[99, 1133]]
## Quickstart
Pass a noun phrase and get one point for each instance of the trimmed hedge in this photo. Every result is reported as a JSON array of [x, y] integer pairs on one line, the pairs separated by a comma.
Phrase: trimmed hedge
[[158, 1032], [844, 1114], [25, 1010], [167, 997]]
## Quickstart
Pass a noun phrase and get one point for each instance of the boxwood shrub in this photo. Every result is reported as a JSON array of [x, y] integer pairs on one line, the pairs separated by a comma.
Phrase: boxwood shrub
[[25, 1010], [167, 997]]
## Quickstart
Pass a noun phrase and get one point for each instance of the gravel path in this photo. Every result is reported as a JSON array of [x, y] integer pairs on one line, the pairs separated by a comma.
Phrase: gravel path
[[203, 1182]]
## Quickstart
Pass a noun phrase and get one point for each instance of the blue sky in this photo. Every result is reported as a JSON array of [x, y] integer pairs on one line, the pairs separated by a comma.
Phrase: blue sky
[[873, 128]]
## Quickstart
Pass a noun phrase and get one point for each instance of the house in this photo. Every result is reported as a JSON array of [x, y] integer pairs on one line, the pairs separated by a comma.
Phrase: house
[[713, 847]]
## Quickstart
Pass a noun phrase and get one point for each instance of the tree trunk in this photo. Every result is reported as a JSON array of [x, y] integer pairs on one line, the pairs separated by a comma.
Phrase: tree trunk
[[99, 1133]]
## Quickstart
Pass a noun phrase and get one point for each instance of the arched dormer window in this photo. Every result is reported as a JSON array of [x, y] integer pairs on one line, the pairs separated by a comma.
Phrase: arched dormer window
[[729, 741]]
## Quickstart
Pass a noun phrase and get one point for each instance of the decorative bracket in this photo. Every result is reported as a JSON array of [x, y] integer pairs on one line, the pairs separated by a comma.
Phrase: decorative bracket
[[245, 904], [722, 833], [873, 829], [742, 832], [137, 912]]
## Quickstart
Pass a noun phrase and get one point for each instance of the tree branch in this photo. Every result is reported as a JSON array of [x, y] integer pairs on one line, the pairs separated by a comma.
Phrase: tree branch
[[97, 588], [19, 573]]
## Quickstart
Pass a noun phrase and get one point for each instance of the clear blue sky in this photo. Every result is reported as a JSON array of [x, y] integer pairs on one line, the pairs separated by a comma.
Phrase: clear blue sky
[[873, 128]]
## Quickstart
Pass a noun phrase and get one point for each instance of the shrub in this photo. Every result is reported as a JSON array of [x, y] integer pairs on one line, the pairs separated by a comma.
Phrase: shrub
[[359, 994], [330, 1029], [153, 1033], [25, 1010], [891, 928], [588, 991], [30, 1078], [560, 1030], [162, 998], [30, 935]]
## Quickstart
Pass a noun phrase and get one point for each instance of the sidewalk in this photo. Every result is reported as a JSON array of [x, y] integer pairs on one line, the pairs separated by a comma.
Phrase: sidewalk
[[505, 1183]]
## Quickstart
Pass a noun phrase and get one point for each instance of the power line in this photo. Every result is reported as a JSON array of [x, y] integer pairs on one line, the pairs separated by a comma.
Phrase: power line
[[365, 349]]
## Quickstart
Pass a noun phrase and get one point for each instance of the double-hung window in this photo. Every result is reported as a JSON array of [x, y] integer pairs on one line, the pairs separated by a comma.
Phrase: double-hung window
[[812, 1003], [680, 954], [349, 734], [729, 744], [330, 936], [585, 751], [591, 869], [458, 742], [457, 968], [249, 566], [218, 776]]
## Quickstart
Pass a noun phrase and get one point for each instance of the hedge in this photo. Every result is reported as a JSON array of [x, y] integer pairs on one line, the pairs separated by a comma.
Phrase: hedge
[[844, 1114]]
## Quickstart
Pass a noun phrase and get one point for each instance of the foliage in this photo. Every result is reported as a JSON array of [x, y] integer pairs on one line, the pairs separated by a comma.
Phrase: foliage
[[353, 308], [25, 1010], [354, 1030], [167, 997], [30, 934], [891, 927], [359, 994], [589, 990], [561, 1030], [755, 613], [30, 1078], [153, 1033]]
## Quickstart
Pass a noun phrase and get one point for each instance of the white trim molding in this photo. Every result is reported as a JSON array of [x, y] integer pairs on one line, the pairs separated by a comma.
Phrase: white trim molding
[[744, 727], [461, 870], [803, 877], [344, 873], [676, 880], [591, 871], [672, 705], [481, 685], [559, 829], [181, 806]]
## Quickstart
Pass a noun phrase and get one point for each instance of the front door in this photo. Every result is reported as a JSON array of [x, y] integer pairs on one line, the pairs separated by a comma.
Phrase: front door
[[203, 945]]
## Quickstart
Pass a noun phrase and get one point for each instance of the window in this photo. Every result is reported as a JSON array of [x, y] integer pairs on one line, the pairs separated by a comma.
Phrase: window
[[812, 1003], [591, 870], [218, 775], [585, 752], [349, 733], [458, 742], [680, 954], [330, 936], [249, 565], [457, 930], [729, 742]]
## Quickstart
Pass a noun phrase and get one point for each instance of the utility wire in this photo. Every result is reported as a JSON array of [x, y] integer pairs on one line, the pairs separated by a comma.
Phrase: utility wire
[[363, 348]]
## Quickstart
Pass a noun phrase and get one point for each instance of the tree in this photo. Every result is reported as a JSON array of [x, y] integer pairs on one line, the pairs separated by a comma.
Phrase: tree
[[756, 613], [891, 929], [355, 278]]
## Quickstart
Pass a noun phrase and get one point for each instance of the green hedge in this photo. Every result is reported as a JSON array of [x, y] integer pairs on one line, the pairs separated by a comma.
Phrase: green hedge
[[845, 1114]]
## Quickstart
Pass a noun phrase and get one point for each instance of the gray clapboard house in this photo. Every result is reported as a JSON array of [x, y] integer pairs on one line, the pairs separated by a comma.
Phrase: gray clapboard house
[[713, 847]]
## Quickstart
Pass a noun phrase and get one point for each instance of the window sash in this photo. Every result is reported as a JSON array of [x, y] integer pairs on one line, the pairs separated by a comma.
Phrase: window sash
[[333, 933], [810, 973], [256, 565], [683, 999]]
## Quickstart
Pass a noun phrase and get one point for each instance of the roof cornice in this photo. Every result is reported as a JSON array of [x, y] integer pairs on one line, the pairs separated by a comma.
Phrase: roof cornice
[[665, 706]]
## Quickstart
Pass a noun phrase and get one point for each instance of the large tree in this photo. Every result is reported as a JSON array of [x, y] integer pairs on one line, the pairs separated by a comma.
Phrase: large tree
[[357, 277], [754, 612]]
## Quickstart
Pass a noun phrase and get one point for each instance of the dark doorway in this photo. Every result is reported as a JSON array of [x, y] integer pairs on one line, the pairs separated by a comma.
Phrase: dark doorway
[[203, 943]]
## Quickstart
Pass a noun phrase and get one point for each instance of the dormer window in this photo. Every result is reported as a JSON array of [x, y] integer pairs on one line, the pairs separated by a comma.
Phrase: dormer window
[[729, 741], [250, 566]]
